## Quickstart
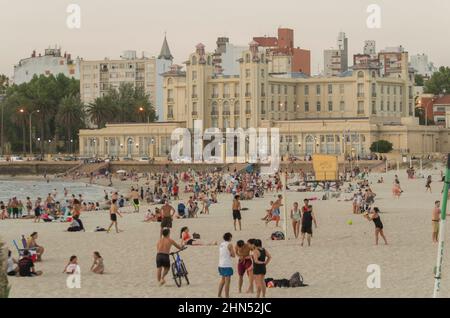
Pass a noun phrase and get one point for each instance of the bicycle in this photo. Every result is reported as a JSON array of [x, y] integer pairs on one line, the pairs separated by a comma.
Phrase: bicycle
[[178, 268]]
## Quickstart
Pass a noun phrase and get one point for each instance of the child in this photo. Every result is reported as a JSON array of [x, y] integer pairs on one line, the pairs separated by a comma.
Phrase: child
[[72, 266]]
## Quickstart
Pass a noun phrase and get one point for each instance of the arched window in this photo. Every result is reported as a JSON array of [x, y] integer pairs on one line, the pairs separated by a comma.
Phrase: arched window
[[309, 145], [169, 81], [360, 74], [237, 108], [247, 58], [226, 108]]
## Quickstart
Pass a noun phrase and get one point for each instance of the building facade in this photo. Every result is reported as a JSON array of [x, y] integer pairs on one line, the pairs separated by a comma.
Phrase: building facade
[[336, 60], [422, 66], [341, 115], [98, 77], [51, 63]]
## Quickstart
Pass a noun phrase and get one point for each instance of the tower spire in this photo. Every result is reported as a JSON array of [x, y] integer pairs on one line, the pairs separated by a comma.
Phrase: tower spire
[[165, 50]]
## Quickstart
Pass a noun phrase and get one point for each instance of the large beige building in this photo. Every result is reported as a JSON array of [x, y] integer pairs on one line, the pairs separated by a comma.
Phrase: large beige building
[[340, 115]]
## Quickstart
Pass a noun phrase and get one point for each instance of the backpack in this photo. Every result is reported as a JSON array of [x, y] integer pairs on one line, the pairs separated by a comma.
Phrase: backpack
[[196, 236], [296, 280], [277, 236]]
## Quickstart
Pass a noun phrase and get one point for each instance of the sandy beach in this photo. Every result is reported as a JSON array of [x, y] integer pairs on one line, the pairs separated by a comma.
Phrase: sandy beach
[[334, 266]]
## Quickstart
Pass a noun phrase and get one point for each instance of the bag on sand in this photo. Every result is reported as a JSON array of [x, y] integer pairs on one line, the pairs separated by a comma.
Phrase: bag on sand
[[277, 236], [196, 236], [296, 280]]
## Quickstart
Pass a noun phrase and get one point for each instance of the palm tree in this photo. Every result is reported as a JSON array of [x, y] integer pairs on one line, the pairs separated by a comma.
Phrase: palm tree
[[4, 287], [70, 115], [101, 111]]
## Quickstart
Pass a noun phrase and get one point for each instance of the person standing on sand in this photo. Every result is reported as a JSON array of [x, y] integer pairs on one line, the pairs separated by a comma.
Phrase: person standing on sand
[[236, 207], [275, 211], [261, 259], [296, 217], [226, 252], [113, 211], [375, 217], [428, 184], [135, 199], [435, 219], [307, 220], [167, 213], [245, 265], [163, 247]]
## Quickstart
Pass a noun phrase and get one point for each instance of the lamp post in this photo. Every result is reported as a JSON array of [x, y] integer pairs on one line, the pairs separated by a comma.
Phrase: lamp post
[[142, 110], [31, 140]]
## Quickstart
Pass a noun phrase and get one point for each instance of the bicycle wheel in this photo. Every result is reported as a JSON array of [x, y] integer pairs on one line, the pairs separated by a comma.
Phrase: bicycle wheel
[[185, 272], [176, 275]]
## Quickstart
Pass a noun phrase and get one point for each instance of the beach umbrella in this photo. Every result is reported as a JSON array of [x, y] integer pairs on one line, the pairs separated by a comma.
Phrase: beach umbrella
[[440, 256], [121, 171]]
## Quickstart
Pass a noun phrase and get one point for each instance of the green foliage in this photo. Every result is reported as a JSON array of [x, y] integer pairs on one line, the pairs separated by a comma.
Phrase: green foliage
[[127, 104], [418, 80], [439, 83], [381, 146]]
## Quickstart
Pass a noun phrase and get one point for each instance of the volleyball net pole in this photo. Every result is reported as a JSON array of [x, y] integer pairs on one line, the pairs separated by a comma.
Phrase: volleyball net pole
[[440, 254]]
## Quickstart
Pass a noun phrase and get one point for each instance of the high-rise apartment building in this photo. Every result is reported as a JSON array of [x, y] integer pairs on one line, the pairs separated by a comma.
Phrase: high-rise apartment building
[[421, 64], [336, 60]]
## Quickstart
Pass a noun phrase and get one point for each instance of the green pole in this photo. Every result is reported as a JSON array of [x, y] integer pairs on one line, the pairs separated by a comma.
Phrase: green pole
[[440, 255]]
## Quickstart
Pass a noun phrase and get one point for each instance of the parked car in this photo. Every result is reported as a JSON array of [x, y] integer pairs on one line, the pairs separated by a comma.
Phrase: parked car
[[144, 159], [16, 158], [127, 159]]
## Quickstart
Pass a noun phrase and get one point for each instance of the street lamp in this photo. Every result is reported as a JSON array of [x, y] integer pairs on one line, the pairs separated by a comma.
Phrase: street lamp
[[142, 110]]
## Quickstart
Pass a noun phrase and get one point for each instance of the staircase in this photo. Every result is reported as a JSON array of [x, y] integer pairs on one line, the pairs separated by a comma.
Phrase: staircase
[[88, 168]]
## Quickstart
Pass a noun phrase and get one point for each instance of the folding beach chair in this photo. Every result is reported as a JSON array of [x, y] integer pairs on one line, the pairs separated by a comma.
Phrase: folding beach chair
[[22, 250]]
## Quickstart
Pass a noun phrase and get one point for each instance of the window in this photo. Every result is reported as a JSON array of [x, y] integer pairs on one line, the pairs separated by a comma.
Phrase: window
[[330, 89], [330, 106], [194, 60], [194, 75], [247, 58], [388, 89], [342, 106], [247, 73], [278, 89], [194, 91], [360, 74], [247, 123], [388, 106], [247, 107], [374, 107], [169, 81], [410, 109], [382, 105], [285, 89], [306, 106], [360, 108], [306, 90], [318, 106], [214, 122], [360, 90], [272, 88], [272, 106], [374, 90], [342, 89], [214, 109], [263, 107], [237, 122], [318, 90], [395, 106], [395, 90], [382, 89], [263, 90], [262, 73], [194, 107], [401, 106], [247, 90]]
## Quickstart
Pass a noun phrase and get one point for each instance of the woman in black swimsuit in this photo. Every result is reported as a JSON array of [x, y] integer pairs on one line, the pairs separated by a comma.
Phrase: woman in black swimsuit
[[261, 258], [375, 217], [307, 220]]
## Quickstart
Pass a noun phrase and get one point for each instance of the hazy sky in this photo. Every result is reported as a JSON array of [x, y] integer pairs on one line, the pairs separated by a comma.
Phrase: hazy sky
[[109, 27]]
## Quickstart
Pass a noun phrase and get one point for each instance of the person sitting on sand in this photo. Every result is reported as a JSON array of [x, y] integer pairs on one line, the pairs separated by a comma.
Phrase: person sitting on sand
[[26, 266], [11, 265], [153, 217], [163, 247], [3, 212], [32, 244], [71, 266], [186, 238], [97, 267]]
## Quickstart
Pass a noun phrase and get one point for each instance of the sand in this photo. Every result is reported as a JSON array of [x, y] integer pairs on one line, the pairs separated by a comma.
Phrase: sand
[[334, 266]]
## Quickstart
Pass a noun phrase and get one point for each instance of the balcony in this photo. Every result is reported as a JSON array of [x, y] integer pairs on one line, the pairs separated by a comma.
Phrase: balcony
[[237, 111], [263, 94], [214, 113], [374, 95], [248, 111], [170, 100], [170, 116], [226, 113], [360, 95], [194, 96], [247, 94], [226, 95], [194, 113], [236, 95], [214, 95]]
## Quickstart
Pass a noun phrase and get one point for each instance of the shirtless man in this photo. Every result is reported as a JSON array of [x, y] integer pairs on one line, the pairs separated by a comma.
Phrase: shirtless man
[[435, 219], [167, 212], [244, 265], [163, 247], [113, 212], [134, 195], [237, 212], [275, 210]]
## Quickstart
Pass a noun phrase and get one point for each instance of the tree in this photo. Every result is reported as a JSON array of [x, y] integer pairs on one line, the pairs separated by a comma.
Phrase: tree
[[381, 146], [439, 83], [4, 83], [101, 111], [70, 117], [419, 80]]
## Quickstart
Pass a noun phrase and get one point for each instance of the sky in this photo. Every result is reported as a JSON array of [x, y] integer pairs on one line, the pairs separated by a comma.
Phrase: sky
[[109, 27]]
